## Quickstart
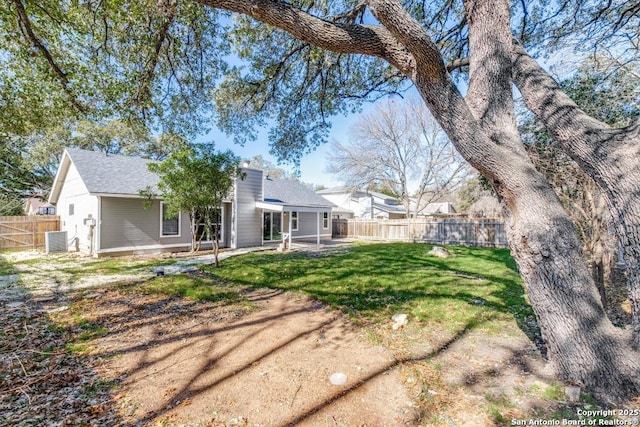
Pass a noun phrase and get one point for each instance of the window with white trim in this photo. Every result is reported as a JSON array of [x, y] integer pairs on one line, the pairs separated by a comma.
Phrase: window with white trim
[[325, 220], [71, 209], [170, 224], [294, 221], [215, 225]]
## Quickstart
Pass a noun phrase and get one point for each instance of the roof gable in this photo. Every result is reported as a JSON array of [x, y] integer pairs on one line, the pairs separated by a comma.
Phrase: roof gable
[[109, 173]]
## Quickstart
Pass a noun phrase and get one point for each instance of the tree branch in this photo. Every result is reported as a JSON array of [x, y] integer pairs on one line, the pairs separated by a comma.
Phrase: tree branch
[[458, 63], [561, 116], [353, 14], [25, 24], [336, 37], [144, 90], [409, 32]]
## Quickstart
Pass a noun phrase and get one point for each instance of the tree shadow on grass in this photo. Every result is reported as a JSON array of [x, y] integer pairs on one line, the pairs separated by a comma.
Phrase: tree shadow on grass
[[383, 278]]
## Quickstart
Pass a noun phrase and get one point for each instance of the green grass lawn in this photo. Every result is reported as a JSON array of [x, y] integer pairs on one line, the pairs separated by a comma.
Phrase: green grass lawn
[[6, 267], [197, 288], [477, 287]]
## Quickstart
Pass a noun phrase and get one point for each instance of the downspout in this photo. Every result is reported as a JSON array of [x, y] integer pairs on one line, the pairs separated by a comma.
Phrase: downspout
[[98, 230], [234, 216]]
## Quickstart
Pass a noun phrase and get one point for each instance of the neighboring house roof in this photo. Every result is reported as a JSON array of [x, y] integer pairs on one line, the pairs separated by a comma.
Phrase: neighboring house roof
[[33, 205], [289, 192], [389, 208], [335, 190], [437, 208], [341, 210], [388, 200]]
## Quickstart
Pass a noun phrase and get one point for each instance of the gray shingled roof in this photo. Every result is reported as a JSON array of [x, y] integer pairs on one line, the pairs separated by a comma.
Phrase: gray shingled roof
[[292, 193], [125, 175], [111, 173]]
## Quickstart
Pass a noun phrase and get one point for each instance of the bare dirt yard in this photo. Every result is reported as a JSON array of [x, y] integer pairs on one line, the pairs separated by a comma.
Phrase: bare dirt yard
[[98, 353]]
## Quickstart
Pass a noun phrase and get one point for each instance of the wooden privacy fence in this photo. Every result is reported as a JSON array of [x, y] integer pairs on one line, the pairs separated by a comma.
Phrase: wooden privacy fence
[[26, 232], [480, 232]]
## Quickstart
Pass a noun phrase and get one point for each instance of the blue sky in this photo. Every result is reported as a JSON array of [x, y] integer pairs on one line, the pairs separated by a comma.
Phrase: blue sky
[[312, 165]]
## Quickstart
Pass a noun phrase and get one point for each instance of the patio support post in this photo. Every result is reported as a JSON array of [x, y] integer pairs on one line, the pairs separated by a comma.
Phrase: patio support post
[[290, 229], [318, 228]]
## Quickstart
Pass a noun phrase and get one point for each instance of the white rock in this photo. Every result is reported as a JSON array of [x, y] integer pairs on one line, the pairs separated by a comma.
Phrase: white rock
[[338, 378]]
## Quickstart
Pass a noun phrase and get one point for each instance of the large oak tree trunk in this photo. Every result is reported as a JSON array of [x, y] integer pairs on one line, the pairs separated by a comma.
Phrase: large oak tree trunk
[[611, 157], [581, 341], [584, 345]]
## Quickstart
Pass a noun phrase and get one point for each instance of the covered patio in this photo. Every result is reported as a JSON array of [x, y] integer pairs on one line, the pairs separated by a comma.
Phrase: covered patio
[[284, 222]]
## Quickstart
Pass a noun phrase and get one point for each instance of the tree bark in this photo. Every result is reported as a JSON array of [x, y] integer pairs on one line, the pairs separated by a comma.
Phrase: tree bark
[[541, 235], [582, 343], [608, 155]]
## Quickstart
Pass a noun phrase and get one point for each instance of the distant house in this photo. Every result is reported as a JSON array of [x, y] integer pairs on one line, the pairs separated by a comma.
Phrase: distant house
[[363, 204], [433, 208], [367, 204], [38, 206], [98, 201]]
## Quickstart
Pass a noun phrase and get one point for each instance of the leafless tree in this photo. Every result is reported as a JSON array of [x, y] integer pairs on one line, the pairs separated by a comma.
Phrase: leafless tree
[[399, 147]]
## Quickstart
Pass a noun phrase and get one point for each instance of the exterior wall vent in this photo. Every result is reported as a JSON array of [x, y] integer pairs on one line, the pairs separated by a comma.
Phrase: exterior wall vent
[[55, 241]]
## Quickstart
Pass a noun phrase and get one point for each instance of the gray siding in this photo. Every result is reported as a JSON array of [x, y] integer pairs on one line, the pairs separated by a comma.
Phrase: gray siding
[[246, 217], [125, 223], [308, 225]]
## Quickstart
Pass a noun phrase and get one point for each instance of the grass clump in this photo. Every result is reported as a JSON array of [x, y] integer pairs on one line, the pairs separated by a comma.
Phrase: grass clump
[[82, 332], [6, 268], [196, 288]]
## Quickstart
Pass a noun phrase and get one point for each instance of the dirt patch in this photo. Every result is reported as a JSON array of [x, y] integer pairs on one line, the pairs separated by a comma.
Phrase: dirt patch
[[207, 364]]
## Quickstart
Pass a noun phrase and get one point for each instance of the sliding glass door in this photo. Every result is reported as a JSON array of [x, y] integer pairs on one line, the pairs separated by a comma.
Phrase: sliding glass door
[[272, 226]]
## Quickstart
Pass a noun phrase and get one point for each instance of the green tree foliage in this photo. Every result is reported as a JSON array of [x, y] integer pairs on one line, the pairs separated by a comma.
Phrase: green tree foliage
[[150, 61], [18, 181], [197, 179], [109, 76]]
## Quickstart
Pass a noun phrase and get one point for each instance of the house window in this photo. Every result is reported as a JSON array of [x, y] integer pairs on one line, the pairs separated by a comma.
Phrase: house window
[[325, 220], [170, 224], [71, 209], [49, 210], [215, 226], [294, 221]]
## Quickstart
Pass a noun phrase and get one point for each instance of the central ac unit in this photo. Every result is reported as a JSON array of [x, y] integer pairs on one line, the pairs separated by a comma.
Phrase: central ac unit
[[55, 241]]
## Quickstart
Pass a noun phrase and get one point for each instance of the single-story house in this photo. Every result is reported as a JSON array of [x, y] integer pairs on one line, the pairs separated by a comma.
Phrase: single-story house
[[98, 199], [363, 204]]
